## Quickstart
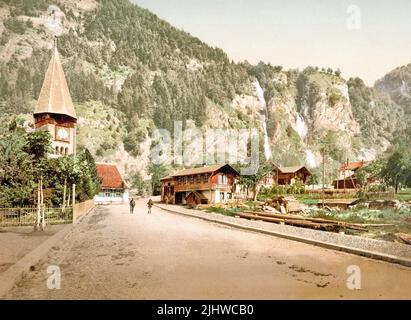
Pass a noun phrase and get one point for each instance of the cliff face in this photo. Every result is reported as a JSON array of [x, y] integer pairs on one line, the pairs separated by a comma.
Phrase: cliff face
[[129, 72]]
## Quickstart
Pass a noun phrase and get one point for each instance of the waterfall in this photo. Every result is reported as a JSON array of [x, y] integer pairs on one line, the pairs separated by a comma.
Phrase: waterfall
[[309, 156], [267, 148], [260, 95], [301, 127], [263, 106]]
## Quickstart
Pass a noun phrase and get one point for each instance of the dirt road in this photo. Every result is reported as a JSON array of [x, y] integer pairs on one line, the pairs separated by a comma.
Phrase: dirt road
[[16, 242], [114, 255]]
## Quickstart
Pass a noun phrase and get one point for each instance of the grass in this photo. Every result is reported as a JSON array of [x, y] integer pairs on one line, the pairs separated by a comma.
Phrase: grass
[[310, 202], [404, 195], [227, 212], [398, 218]]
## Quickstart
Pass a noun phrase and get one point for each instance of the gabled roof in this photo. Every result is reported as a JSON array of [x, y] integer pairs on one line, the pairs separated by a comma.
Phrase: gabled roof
[[55, 95], [292, 169], [353, 165], [110, 176], [201, 170]]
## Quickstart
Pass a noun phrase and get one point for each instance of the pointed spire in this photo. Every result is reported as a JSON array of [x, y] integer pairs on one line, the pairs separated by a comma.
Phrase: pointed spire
[[55, 95]]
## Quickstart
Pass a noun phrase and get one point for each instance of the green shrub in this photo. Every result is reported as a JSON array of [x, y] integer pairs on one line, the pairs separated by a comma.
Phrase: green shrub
[[15, 25]]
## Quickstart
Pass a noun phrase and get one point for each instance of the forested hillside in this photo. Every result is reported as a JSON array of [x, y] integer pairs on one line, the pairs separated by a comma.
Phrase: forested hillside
[[130, 72]]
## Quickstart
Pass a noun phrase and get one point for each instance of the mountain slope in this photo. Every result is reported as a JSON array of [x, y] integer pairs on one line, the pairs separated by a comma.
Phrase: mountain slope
[[397, 84], [130, 72]]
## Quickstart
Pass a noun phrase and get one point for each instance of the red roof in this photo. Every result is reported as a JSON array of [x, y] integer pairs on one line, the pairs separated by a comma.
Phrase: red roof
[[110, 176], [353, 165]]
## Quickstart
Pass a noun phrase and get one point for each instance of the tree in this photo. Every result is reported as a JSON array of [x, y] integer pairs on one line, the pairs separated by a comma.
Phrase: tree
[[79, 169], [138, 183], [16, 170], [157, 172], [24, 165], [313, 179], [397, 170], [252, 181]]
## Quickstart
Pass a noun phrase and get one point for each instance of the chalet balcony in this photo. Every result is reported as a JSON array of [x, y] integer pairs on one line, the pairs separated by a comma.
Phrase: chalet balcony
[[222, 186], [195, 187]]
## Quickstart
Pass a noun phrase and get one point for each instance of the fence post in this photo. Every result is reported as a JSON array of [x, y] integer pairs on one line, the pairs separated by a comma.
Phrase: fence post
[[74, 199]]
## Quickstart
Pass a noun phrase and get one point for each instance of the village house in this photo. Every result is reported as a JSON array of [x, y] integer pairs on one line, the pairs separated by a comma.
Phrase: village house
[[286, 175], [203, 185], [113, 187], [348, 175]]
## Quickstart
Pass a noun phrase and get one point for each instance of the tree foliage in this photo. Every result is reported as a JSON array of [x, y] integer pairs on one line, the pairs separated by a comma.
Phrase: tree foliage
[[157, 171], [251, 181], [24, 160], [397, 170]]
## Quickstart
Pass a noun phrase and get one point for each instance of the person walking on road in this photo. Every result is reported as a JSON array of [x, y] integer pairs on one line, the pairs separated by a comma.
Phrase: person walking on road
[[149, 205], [132, 205]]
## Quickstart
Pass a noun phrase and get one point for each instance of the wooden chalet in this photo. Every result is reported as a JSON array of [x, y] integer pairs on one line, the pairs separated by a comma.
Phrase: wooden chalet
[[113, 187], [286, 175], [348, 175], [203, 185]]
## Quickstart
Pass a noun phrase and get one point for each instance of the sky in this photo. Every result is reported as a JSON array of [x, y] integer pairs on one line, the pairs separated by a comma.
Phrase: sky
[[364, 38]]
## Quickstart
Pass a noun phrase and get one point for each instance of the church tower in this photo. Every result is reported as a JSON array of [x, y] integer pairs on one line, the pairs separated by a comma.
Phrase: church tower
[[54, 111]]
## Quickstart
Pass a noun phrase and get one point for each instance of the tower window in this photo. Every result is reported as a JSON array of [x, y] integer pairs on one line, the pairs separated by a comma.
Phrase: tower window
[[57, 150], [66, 151]]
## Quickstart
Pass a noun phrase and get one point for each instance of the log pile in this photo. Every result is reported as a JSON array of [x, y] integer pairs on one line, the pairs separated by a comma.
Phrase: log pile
[[406, 238], [283, 204], [306, 222]]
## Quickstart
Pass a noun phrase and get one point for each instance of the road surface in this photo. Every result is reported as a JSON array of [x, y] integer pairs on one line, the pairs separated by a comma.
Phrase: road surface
[[112, 254]]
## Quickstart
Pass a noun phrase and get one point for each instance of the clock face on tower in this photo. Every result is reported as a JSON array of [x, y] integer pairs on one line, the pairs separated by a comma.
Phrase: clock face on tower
[[62, 134]]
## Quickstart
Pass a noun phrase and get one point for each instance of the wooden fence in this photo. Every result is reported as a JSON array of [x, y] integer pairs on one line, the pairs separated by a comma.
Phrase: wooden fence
[[27, 216]]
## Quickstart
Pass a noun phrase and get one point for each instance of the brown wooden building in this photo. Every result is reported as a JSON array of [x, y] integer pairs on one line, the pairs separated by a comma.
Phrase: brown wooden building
[[348, 175], [286, 175], [210, 184]]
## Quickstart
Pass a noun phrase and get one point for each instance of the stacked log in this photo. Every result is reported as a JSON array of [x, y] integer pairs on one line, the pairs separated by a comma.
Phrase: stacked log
[[284, 204], [406, 238], [300, 221]]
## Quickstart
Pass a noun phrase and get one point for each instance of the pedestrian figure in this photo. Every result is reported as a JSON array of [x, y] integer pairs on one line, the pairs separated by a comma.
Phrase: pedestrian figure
[[132, 205], [149, 205]]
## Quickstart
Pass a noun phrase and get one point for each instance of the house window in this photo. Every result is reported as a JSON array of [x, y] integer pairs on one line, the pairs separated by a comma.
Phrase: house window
[[222, 195], [191, 179], [222, 179], [185, 180], [179, 181], [198, 179], [205, 178]]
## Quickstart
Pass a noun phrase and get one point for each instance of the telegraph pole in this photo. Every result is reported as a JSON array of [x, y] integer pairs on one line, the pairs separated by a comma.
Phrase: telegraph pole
[[323, 152]]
